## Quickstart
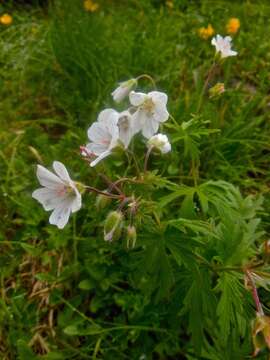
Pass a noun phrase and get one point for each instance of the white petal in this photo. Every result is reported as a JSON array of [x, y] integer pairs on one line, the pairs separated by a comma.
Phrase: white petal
[[100, 157], [61, 171], [97, 132], [104, 115], [214, 42], [150, 127], [96, 149], [46, 197], [60, 215], [120, 93], [137, 98], [77, 202], [159, 96], [161, 114], [47, 178], [233, 53], [137, 120], [166, 148]]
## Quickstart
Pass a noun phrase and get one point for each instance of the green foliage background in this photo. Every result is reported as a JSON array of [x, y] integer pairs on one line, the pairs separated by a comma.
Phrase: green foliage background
[[179, 294]]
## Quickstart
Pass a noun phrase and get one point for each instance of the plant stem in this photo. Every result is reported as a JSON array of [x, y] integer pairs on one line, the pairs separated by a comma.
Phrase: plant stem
[[210, 73], [113, 196], [255, 293], [147, 158], [146, 76]]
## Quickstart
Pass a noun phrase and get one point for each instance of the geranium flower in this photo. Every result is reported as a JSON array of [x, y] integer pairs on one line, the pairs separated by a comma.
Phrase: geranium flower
[[104, 135], [150, 111], [59, 193], [223, 46], [160, 142], [123, 90]]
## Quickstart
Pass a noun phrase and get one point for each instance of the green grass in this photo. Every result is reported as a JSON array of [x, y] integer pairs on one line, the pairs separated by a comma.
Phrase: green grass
[[180, 293]]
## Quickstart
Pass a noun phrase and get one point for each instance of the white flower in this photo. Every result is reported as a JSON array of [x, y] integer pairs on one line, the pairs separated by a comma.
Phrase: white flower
[[126, 127], [104, 135], [160, 142], [223, 45], [59, 193], [123, 90], [151, 111]]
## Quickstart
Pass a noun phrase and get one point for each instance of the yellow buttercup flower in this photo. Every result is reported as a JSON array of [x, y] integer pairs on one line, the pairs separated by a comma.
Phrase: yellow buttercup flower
[[206, 32], [90, 5], [6, 19], [233, 26]]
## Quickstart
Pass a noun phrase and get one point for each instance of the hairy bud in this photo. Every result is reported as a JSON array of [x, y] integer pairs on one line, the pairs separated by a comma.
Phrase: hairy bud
[[216, 90], [131, 236], [113, 226], [102, 201]]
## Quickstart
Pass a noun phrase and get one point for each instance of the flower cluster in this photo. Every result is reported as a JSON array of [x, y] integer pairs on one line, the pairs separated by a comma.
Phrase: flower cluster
[[113, 128]]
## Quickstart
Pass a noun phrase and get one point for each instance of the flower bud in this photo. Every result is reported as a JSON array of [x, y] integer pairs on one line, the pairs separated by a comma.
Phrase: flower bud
[[123, 90], [261, 333], [131, 236], [216, 90], [113, 226], [160, 142], [102, 201]]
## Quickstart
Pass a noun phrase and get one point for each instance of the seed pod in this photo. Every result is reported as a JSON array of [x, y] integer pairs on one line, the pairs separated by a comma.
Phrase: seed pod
[[102, 201], [113, 226], [131, 236]]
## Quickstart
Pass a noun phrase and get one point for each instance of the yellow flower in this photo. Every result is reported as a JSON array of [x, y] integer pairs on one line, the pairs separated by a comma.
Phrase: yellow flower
[[6, 19], [169, 4], [233, 25], [206, 32], [90, 5]]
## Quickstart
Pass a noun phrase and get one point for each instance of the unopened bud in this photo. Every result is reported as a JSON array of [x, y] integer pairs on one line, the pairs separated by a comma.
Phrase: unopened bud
[[102, 201], [131, 236], [216, 90], [160, 142], [261, 333], [113, 226]]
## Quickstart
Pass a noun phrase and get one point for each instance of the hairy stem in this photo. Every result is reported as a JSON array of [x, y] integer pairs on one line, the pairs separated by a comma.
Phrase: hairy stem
[[147, 158], [255, 293], [148, 77]]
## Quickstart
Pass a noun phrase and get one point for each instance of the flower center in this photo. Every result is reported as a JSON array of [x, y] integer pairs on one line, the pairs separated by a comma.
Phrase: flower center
[[148, 106], [63, 190], [123, 123], [105, 142]]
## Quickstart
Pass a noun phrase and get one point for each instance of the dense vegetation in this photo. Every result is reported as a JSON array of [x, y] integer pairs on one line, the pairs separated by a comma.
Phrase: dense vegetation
[[186, 289]]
